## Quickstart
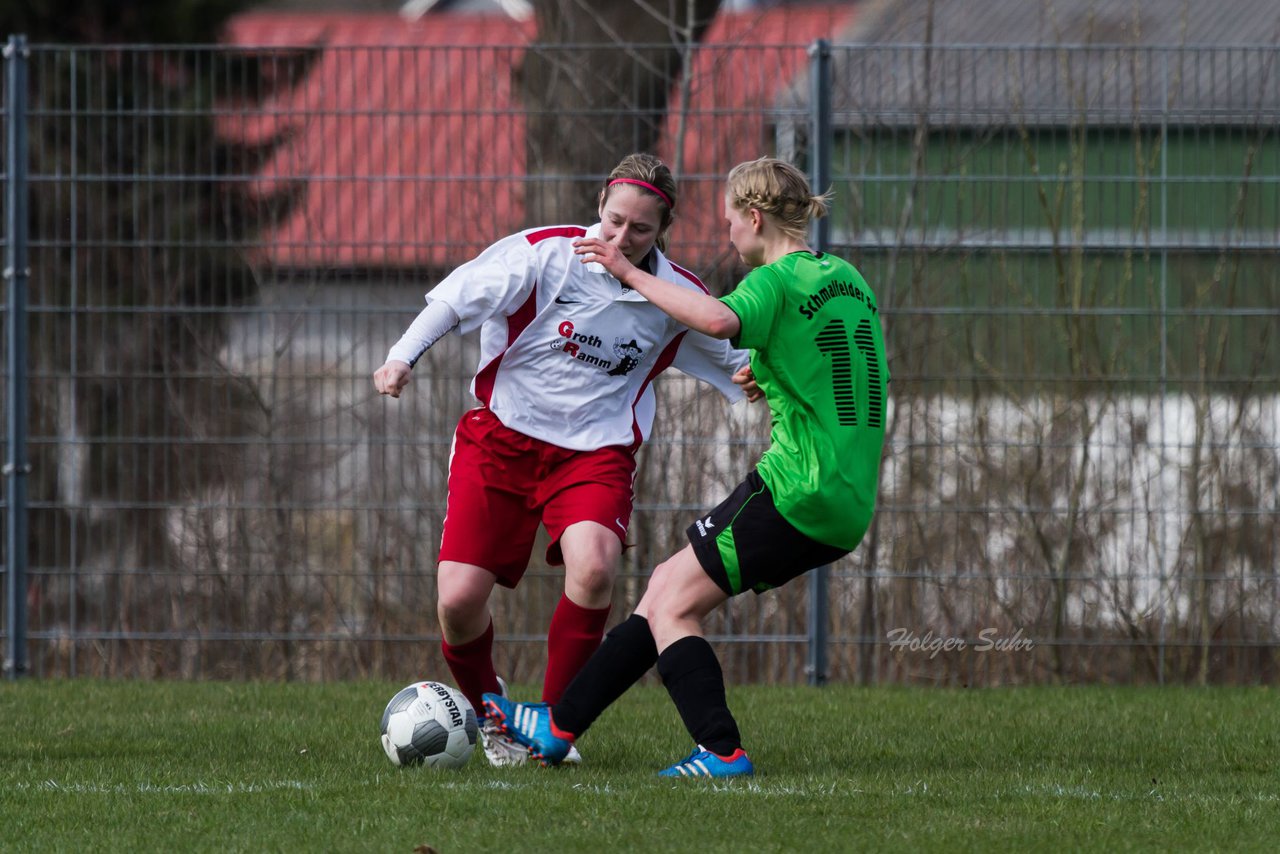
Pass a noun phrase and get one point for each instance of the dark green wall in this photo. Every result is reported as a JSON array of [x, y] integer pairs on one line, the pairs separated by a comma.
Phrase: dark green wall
[[1035, 260]]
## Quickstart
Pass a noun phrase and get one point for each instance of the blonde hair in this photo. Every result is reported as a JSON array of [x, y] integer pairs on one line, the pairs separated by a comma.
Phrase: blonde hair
[[650, 175], [779, 190]]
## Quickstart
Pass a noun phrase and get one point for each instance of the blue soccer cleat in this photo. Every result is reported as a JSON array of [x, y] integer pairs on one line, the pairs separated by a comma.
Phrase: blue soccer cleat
[[704, 763], [530, 724]]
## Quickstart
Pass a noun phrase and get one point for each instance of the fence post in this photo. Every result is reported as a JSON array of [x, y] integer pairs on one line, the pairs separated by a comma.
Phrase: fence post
[[820, 177], [16, 273]]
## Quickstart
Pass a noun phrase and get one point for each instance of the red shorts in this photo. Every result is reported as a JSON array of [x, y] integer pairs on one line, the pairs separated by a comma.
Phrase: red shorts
[[503, 483]]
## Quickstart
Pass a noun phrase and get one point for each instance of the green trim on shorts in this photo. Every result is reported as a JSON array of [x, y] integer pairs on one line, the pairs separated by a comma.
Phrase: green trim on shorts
[[729, 558], [728, 547]]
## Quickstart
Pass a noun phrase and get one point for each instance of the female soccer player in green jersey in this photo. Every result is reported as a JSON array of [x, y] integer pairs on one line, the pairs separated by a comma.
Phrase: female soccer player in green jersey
[[818, 356]]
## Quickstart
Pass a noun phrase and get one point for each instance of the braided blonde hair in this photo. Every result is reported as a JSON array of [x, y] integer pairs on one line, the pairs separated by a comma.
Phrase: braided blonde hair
[[779, 190]]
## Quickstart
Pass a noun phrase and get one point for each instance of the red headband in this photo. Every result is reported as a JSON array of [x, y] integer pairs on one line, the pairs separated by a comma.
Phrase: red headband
[[644, 184]]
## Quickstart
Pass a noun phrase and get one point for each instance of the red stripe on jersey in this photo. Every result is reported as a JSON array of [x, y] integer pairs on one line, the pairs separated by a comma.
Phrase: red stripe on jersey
[[664, 361], [691, 277], [517, 322], [541, 234]]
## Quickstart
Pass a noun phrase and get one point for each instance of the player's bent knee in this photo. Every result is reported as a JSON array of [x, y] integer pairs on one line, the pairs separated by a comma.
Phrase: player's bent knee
[[658, 595], [679, 593], [460, 613], [593, 577]]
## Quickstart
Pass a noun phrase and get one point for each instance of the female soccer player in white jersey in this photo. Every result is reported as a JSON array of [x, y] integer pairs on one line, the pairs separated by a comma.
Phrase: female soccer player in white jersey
[[818, 355], [568, 356]]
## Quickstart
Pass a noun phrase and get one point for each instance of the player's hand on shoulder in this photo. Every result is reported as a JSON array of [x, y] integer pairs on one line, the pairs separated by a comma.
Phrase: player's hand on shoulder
[[392, 377]]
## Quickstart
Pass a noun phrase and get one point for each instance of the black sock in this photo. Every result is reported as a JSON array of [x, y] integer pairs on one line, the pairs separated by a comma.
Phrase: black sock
[[690, 670], [626, 653]]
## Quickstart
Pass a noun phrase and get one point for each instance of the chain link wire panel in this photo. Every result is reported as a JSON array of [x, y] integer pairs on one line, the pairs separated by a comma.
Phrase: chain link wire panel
[[1073, 252], [1076, 247]]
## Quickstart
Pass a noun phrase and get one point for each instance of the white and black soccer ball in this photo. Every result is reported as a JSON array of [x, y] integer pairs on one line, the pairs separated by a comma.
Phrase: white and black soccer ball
[[431, 723]]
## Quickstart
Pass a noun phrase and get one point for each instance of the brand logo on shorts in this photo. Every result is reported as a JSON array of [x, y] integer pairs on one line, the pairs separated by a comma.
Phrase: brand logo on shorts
[[703, 525]]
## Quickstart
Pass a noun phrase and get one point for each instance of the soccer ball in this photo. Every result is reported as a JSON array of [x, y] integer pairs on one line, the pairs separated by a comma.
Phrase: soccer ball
[[431, 723]]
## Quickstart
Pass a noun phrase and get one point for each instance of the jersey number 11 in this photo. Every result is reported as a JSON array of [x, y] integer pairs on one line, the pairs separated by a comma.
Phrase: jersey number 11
[[833, 340]]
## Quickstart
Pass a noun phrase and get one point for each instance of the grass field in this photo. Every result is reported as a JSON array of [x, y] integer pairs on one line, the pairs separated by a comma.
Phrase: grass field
[[126, 766]]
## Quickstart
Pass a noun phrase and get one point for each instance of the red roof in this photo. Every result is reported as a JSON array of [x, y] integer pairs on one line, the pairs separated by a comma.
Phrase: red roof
[[745, 61], [414, 157]]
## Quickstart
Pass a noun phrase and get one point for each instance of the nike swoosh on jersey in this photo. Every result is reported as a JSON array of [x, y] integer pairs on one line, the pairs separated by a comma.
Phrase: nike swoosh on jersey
[[563, 301]]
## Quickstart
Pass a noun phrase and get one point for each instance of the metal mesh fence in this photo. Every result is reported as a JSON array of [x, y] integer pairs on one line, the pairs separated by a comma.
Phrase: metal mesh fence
[[1077, 249], [1073, 251]]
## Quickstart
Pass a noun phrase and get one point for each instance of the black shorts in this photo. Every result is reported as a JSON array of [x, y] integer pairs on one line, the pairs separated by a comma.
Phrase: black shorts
[[745, 544]]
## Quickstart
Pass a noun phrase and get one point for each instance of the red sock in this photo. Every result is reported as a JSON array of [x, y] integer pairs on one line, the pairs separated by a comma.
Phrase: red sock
[[574, 635], [471, 664]]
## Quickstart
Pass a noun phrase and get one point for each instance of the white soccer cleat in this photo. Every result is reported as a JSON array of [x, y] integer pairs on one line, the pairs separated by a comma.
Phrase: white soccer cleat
[[500, 749], [573, 757]]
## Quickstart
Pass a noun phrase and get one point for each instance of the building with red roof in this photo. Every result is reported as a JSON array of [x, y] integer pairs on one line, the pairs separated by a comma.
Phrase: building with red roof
[[409, 135]]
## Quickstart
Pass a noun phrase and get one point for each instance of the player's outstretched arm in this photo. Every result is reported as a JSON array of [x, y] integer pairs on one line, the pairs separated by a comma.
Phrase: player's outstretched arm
[[695, 310], [431, 324]]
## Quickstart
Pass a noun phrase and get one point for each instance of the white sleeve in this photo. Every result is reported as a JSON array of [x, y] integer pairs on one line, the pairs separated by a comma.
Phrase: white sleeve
[[431, 324], [713, 360], [493, 283]]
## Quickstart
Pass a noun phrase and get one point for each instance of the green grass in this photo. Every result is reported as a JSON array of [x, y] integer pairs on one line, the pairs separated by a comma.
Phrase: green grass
[[126, 766]]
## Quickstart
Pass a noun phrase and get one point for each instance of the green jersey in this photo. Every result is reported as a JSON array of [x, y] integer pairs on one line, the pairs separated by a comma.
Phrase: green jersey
[[813, 328]]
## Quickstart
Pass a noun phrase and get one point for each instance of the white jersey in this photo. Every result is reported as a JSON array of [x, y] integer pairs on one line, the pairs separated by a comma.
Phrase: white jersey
[[567, 353]]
